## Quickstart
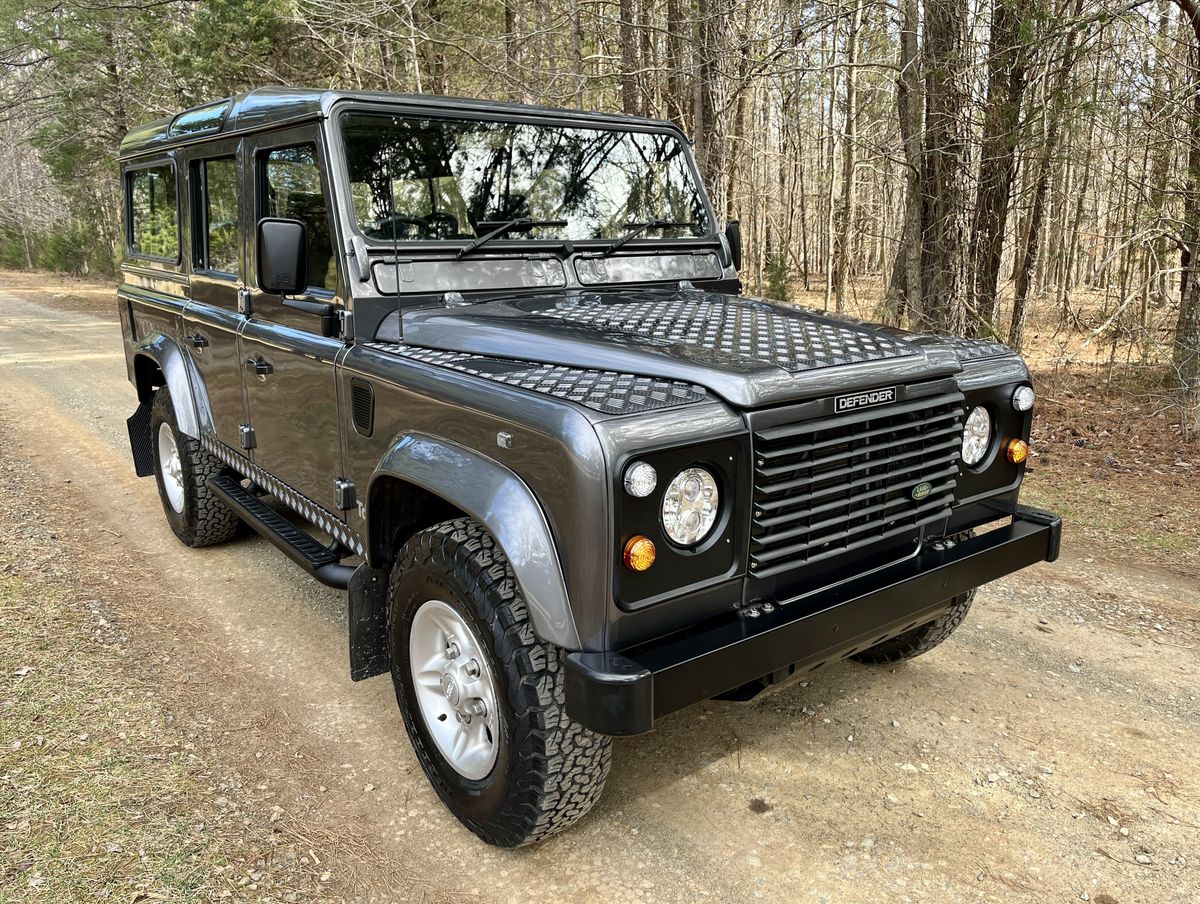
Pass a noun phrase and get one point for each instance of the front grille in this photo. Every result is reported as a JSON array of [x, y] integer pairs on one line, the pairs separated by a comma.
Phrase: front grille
[[826, 487]]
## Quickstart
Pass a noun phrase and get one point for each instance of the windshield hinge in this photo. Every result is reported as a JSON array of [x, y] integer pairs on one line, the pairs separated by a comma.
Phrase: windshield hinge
[[346, 324]]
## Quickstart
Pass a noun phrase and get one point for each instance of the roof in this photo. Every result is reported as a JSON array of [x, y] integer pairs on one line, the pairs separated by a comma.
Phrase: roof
[[267, 107]]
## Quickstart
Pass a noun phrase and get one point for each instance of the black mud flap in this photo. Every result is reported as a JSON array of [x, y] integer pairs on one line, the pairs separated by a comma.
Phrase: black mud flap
[[369, 653], [140, 441]]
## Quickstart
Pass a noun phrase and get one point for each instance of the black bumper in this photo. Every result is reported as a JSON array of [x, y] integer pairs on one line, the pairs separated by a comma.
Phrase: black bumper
[[623, 693]]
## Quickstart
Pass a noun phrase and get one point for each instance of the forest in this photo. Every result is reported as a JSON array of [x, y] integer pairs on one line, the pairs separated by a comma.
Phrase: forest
[[984, 167]]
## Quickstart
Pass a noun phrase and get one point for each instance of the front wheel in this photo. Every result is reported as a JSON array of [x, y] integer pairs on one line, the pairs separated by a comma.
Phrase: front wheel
[[482, 697]]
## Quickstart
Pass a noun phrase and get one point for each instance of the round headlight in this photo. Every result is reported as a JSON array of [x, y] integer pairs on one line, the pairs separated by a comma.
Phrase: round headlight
[[1023, 398], [977, 436], [640, 479], [690, 505]]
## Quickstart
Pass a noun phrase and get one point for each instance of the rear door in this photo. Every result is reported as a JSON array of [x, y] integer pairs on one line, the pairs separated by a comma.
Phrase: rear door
[[288, 362], [211, 321]]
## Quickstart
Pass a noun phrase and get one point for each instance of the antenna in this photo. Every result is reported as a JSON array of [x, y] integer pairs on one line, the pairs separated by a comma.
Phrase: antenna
[[392, 221]]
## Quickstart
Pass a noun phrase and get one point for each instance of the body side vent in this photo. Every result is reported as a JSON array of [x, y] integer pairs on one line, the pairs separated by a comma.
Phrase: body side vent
[[362, 406]]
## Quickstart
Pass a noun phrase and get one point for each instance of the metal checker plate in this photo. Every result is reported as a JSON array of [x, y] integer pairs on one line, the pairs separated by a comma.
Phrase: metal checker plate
[[975, 349], [600, 390], [799, 341]]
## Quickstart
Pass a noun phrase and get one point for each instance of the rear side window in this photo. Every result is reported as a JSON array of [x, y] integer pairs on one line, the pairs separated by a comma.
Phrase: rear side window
[[153, 213], [293, 191], [218, 244]]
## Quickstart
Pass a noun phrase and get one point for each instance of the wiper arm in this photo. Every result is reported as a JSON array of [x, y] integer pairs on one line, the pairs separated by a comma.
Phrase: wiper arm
[[503, 227], [636, 229]]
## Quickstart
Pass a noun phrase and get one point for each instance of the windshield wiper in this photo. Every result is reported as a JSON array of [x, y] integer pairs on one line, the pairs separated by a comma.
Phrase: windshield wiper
[[636, 229], [503, 227]]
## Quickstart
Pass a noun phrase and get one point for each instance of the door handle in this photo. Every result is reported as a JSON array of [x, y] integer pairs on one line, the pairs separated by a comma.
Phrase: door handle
[[197, 341], [261, 366]]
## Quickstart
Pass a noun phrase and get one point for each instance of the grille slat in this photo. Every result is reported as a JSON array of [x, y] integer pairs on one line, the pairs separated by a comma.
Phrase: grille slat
[[799, 482], [931, 505], [841, 503], [826, 443], [774, 434], [825, 487], [853, 451]]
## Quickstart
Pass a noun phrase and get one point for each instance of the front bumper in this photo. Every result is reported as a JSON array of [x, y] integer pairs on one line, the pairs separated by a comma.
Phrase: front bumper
[[622, 693]]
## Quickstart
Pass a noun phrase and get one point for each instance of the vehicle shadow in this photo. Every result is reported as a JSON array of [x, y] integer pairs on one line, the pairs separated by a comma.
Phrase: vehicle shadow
[[686, 743]]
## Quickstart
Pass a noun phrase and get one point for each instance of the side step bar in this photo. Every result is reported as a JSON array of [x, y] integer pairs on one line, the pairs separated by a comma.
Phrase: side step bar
[[297, 545]]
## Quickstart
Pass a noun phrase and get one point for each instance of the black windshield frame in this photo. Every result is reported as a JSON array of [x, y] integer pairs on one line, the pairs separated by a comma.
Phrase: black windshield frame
[[705, 221]]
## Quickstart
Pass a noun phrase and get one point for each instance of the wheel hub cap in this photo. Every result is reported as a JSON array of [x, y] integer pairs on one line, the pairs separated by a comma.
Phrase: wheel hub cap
[[450, 689], [454, 688]]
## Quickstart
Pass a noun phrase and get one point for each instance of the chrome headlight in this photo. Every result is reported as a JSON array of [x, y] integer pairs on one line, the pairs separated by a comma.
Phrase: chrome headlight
[[977, 436], [690, 506]]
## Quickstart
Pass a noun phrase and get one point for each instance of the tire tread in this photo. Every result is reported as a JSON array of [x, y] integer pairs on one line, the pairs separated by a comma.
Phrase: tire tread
[[559, 766]]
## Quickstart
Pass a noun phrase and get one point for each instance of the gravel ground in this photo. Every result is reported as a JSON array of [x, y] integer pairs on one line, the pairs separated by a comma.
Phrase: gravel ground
[[1048, 752]]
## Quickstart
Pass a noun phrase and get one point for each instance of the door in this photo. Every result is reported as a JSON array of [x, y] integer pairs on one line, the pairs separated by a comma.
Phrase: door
[[211, 321], [288, 363]]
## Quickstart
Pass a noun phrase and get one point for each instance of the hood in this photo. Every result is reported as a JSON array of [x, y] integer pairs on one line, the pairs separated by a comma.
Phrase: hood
[[747, 351]]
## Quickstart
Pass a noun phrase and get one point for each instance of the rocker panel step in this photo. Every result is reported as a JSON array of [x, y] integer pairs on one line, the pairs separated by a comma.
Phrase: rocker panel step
[[301, 547]]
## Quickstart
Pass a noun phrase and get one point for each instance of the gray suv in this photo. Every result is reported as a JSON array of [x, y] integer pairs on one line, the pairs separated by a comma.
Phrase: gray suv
[[487, 368]]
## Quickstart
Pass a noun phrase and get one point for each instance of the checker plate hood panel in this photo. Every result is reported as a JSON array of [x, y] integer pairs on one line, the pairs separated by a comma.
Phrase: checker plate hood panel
[[749, 352]]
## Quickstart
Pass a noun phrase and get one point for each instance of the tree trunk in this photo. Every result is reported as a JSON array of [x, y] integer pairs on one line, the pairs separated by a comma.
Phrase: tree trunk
[[997, 160], [708, 142], [629, 50], [577, 52], [1054, 115], [675, 105], [849, 147], [511, 51], [946, 161], [911, 103], [1186, 353]]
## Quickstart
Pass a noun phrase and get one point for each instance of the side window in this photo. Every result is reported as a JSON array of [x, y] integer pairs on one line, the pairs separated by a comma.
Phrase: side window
[[153, 212], [218, 244], [292, 190]]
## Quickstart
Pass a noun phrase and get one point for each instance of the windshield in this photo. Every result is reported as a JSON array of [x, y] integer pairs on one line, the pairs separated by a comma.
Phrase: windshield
[[421, 179]]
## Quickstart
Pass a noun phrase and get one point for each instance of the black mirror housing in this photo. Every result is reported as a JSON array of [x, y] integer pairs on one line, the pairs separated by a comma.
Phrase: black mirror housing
[[733, 234], [282, 255]]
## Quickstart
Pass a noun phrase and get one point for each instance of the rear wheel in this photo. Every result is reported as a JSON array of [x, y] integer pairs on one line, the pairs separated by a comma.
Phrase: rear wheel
[[182, 469], [482, 697]]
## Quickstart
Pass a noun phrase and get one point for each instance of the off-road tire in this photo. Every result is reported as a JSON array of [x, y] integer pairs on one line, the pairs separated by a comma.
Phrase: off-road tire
[[205, 519], [922, 638], [549, 770]]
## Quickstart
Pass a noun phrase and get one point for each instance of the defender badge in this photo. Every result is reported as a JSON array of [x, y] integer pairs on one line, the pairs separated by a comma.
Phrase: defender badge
[[866, 399], [921, 490]]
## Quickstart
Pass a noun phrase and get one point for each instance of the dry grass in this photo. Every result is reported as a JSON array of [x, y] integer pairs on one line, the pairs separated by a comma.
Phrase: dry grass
[[107, 790], [97, 791]]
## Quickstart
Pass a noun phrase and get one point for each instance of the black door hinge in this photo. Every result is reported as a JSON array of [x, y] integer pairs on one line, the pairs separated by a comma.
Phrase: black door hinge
[[249, 441], [347, 495]]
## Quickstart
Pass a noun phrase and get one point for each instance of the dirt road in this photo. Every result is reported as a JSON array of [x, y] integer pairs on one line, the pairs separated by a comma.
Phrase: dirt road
[[1049, 752]]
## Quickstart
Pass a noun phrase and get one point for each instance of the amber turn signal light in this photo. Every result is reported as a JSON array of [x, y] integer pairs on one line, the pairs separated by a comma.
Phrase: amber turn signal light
[[639, 553], [1018, 451]]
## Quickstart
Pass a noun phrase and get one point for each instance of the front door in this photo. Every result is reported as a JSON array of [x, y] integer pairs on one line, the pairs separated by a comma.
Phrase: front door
[[211, 321], [288, 364]]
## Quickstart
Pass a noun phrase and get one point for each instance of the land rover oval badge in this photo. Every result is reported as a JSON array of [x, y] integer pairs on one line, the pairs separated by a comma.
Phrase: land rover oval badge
[[921, 490]]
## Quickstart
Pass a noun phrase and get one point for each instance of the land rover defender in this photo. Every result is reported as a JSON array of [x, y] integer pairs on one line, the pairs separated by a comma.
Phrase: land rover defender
[[487, 368]]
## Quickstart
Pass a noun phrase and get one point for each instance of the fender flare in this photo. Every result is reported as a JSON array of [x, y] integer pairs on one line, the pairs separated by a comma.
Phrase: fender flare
[[496, 497], [188, 395]]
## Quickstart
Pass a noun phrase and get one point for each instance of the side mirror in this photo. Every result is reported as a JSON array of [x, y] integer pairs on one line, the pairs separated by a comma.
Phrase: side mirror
[[282, 254], [733, 234]]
